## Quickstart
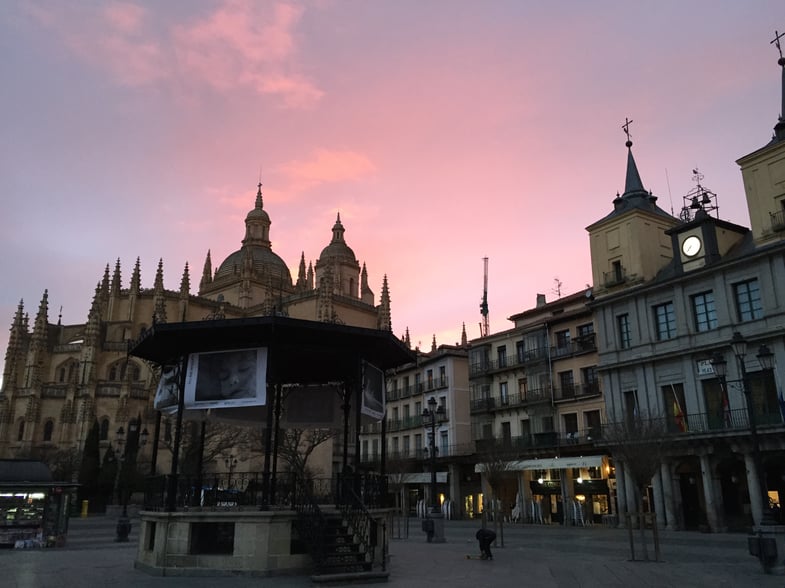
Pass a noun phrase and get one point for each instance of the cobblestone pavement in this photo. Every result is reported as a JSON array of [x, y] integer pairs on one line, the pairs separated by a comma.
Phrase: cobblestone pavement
[[537, 556]]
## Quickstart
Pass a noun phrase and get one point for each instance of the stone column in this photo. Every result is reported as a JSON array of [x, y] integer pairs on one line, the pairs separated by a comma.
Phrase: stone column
[[753, 484], [658, 506], [456, 509], [621, 493], [667, 497], [708, 493]]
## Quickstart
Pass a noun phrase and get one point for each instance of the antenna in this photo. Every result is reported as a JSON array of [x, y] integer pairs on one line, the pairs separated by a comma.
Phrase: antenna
[[484, 326]]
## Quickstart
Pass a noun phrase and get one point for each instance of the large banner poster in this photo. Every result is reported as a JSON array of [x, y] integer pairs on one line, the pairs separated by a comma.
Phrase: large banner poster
[[222, 379], [373, 392], [168, 392]]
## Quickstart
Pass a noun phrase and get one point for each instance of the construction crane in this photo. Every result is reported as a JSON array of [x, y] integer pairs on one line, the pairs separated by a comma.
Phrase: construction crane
[[484, 326]]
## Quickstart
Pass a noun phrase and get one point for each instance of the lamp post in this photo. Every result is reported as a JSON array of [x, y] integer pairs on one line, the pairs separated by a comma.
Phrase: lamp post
[[430, 415], [231, 462], [122, 453], [719, 365]]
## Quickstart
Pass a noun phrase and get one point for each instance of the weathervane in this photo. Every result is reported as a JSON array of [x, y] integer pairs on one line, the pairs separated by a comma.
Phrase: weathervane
[[626, 127], [776, 42]]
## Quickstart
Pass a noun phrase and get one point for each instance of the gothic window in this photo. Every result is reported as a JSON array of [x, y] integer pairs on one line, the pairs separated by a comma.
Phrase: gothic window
[[119, 370], [49, 427], [21, 431], [103, 431]]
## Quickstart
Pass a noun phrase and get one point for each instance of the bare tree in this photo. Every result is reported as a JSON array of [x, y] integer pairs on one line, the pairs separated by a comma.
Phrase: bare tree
[[640, 444], [297, 445], [219, 440], [496, 470]]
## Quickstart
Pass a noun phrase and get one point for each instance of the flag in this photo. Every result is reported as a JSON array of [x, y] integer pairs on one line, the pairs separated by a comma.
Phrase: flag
[[782, 406], [678, 414], [725, 407]]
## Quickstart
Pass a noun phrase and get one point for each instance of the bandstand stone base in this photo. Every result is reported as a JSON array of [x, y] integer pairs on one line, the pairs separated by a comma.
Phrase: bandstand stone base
[[218, 543]]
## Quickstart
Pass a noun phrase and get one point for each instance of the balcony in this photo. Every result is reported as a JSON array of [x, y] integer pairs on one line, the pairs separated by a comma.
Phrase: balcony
[[731, 422], [577, 392], [777, 221], [54, 392], [436, 384], [531, 396], [614, 278]]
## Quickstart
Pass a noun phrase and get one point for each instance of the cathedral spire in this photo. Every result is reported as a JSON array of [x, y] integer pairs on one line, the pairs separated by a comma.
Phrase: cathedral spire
[[207, 272], [159, 298], [366, 294], [136, 279], [385, 315], [302, 278], [464, 338], [159, 276], [41, 319], [185, 282], [14, 349], [116, 282], [433, 343]]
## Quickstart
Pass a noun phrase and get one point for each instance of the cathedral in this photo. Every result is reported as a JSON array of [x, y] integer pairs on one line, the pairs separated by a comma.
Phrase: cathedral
[[60, 379]]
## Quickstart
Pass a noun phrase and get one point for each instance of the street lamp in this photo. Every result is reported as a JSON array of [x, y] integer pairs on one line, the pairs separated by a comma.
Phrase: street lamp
[[433, 525], [720, 366], [231, 462], [122, 453]]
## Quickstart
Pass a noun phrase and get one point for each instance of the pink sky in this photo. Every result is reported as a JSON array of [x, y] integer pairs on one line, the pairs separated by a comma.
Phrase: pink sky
[[442, 131]]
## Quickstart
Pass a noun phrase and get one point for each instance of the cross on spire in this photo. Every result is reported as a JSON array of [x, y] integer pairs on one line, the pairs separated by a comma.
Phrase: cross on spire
[[626, 127], [776, 41]]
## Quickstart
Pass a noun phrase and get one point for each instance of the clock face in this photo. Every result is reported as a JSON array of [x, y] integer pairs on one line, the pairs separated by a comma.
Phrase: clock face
[[691, 246]]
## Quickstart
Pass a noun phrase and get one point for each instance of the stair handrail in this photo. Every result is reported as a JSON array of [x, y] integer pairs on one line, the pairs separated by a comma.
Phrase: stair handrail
[[362, 523], [311, 522]]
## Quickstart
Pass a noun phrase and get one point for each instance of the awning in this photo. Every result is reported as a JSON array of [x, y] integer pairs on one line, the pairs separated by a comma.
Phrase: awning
[[555, 463], [416, 478]]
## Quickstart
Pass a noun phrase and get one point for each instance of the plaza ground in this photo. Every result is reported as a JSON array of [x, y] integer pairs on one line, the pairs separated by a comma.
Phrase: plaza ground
[[533, 555]]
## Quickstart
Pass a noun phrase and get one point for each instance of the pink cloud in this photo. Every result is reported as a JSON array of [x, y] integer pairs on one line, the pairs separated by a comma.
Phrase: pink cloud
[[124, 16], [241, 43], [328, 166]]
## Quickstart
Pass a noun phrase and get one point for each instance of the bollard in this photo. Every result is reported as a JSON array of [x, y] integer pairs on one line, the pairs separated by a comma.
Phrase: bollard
[[85, 504]]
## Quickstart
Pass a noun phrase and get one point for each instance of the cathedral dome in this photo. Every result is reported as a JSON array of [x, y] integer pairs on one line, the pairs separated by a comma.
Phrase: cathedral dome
[[338, 249], [265, 263]]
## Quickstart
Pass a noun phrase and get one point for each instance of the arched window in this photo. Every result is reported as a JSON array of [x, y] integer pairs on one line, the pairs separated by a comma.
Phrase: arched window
[[49, 428], [67, 371], [113, 373], [103, 433], [21, 433], [136, 373]]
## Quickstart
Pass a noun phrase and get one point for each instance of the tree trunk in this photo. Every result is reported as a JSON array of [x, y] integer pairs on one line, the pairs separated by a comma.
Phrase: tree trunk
[[642, 524]]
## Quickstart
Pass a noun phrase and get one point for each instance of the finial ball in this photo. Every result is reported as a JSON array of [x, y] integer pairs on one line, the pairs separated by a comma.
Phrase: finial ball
[[781, 61], [628, 143]]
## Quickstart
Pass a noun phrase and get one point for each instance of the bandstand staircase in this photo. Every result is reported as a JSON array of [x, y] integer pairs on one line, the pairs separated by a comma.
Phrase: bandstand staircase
[[341, 541]]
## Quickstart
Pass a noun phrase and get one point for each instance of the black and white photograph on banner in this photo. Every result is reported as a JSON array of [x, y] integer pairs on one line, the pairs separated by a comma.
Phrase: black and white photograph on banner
[[373, 392], [168, 391], [222, 379]]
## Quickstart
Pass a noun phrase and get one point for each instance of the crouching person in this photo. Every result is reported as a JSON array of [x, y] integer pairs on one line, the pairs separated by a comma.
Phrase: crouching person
[[485, 538]]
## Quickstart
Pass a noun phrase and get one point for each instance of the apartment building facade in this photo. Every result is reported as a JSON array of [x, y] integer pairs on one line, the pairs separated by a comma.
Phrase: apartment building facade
[[537, 407]]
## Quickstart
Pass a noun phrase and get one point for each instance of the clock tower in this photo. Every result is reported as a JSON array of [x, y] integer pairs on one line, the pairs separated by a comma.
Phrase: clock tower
[[702, 238]]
